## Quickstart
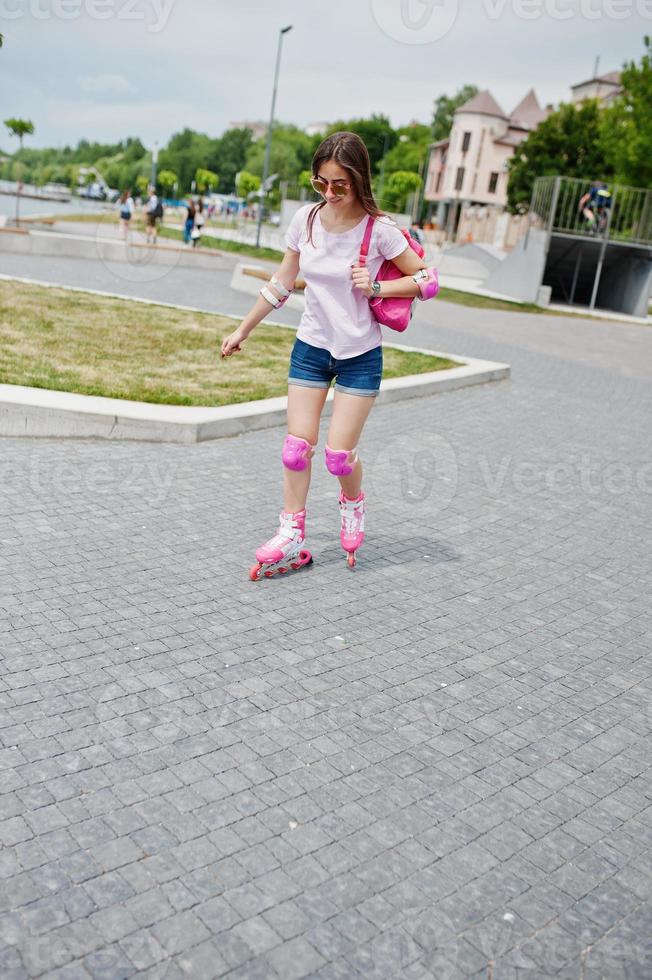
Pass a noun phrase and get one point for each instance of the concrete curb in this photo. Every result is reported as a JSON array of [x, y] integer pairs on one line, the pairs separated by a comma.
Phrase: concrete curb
[[42, 413], [109, 250]]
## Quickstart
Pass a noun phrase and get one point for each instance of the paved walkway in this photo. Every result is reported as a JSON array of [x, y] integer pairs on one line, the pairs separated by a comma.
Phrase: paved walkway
[[435, 766]]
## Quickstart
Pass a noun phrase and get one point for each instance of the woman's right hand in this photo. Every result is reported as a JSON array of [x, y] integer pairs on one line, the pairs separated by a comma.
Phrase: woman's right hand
[[232, 343]]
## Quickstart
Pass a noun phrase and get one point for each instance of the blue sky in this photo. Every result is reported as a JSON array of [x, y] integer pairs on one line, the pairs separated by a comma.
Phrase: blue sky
[[107, 69]]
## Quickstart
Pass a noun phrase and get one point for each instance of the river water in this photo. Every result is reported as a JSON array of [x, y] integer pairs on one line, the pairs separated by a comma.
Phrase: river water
[[31, 208]]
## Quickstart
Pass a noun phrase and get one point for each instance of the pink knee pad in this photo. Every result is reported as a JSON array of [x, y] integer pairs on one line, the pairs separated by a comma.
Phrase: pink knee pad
[[337, 461], [296, 453]]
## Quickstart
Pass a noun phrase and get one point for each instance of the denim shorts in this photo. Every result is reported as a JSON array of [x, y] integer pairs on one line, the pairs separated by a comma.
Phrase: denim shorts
[[314, 367]]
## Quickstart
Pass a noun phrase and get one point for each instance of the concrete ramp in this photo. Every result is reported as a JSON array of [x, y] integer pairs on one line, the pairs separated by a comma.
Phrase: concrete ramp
[[486, 257], [520, 274]]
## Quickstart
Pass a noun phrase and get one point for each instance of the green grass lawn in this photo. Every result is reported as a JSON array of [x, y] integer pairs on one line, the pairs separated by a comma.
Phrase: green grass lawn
[[225, 245], [487, 303], [96, 345]]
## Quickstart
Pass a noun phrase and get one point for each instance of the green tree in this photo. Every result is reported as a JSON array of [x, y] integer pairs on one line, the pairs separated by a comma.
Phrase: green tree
[[167, 179], [376, 133], [411, 151], [568, 143], [133, 150], [247, 184], [142, 183], [398, 186], [206, 180], [283, 160], [290, 154], [305, 178], [445, 106], [20, 128], [626, 125], [228, 156], [186, 153]]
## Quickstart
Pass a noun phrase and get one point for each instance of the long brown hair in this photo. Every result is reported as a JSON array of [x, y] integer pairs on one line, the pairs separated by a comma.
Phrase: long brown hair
[[348, 150]]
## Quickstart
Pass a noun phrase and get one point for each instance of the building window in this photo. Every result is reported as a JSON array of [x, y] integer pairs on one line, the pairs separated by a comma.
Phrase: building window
[[439, 177], [466, 142], [459, 179], [493, 183]]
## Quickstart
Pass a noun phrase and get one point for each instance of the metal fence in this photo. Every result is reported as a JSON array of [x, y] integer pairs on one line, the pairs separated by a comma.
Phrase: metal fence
[[556, 206]]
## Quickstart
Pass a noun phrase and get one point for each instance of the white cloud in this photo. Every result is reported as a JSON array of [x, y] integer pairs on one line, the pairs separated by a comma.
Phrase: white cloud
[[212, 61], [107, 121], [106, 85]]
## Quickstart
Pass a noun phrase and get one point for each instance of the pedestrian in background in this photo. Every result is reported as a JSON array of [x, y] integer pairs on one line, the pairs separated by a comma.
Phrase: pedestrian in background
[[189, 223], [153, 212], [126, 212], [199, 222]]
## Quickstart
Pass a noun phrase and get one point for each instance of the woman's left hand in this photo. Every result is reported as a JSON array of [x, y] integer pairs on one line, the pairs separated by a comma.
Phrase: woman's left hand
[[362, 279]]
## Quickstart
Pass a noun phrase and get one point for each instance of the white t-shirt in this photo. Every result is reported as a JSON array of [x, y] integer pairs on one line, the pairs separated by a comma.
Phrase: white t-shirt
[[338, 317]]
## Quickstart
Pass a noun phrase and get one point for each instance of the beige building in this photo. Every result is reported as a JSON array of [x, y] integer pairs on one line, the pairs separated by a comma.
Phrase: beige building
[[317, 128], [466, 183], [606, 88], [470, 167], [258, 129]]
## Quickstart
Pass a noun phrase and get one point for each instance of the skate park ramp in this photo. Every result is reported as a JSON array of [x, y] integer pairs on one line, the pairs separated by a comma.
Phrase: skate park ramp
[[520, 274], [571, 272], [471, 261], [606, 264]]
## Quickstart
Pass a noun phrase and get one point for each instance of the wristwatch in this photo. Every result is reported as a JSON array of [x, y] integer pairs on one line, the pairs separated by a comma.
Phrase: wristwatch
[[375, 287]]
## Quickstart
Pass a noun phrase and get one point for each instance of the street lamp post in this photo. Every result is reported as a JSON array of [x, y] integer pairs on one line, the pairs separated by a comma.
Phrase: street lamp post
[[381, 182], [268, 147], [154, 163]]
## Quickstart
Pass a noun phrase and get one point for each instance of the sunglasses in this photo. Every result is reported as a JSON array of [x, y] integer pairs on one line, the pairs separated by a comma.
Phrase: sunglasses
[[338, 187]]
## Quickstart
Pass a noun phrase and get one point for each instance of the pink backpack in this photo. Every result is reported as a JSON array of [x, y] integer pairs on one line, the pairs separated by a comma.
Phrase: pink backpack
[[392, 311]]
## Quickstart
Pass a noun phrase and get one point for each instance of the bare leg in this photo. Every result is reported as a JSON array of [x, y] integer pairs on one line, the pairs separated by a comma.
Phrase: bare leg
[[304, 412], [350, 412]]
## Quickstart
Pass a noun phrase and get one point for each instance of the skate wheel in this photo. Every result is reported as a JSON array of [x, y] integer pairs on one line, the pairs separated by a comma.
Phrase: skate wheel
[[303, 558], [350, 559], [268, 574], [254, 572], [282, 571]]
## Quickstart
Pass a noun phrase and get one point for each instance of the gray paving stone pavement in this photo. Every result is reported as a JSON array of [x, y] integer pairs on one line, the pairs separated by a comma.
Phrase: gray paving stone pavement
[[435, 766]]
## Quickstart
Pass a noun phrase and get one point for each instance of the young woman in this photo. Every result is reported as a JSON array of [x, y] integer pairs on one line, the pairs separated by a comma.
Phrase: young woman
[[195, 234], [338, 338], [189, 223], [126, 212]]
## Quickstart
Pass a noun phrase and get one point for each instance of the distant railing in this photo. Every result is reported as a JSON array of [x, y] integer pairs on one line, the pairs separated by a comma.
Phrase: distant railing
[[555, 206]]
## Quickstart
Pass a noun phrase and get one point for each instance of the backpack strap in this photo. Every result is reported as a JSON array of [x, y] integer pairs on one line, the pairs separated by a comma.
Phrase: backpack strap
[[366, 239]]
